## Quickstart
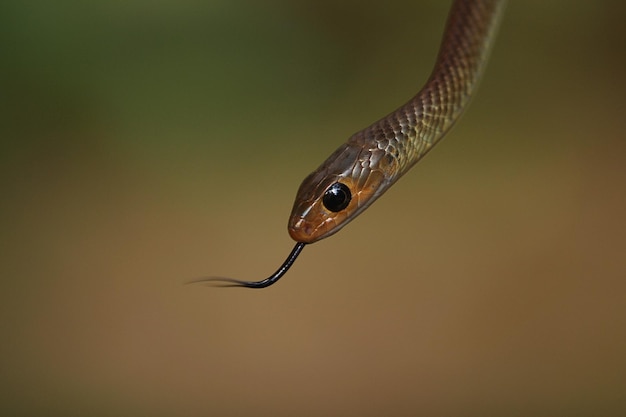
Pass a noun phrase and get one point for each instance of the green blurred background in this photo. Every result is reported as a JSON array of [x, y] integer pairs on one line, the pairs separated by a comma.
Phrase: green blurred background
[[146, 143]]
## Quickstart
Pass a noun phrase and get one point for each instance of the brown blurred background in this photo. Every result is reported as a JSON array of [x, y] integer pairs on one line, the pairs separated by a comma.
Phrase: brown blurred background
[[147, 143]]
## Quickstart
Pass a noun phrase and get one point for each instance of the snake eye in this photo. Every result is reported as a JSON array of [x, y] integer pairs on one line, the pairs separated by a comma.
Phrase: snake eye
[[337, 197]]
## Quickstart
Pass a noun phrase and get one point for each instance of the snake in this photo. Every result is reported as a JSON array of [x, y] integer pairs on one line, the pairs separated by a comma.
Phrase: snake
[[373, 159]]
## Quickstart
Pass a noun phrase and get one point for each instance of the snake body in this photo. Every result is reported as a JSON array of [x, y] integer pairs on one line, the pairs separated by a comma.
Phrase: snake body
[[373, 159]]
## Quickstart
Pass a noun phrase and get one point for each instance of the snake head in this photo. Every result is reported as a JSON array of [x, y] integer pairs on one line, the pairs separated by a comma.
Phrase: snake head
[[341, 188]]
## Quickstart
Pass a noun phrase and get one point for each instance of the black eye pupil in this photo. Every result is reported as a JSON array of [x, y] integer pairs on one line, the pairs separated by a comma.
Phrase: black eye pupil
[[337, 197]]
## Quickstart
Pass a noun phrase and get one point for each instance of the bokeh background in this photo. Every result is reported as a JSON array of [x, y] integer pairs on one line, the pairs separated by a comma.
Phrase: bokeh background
[[146, 143]]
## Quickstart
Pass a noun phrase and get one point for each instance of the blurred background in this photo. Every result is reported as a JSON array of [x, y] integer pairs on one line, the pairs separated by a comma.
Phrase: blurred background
[[147, 143]]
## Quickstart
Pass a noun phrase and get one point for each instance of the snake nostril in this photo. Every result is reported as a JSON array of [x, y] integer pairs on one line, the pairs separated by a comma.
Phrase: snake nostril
[[337, 197]]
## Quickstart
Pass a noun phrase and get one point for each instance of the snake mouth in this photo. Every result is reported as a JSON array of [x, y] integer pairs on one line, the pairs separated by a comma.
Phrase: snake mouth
[[303, 230], [300, 231]]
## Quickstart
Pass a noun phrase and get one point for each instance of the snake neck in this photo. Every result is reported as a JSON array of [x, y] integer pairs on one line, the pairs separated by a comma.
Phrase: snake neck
[[408, 133]]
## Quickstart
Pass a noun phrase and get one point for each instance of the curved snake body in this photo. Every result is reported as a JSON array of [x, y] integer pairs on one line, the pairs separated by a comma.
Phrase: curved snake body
[[372, 160]]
